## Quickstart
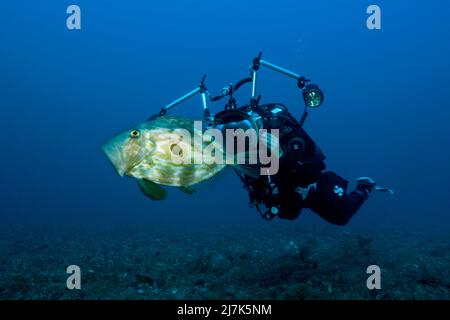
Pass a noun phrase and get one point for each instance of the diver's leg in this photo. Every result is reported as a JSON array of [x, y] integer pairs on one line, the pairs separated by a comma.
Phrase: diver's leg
[[331, 201]]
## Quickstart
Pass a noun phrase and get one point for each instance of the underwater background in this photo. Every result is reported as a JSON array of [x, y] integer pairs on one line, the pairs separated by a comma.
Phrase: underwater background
[[64, 93]]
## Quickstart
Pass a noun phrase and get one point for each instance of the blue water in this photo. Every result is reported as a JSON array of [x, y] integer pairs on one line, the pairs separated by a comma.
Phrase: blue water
[[64, 93]]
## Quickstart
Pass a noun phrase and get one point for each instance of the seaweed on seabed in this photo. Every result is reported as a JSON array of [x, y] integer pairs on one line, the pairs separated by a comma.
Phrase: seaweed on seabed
[[364, 245], [211, 261], [16, 286], [355, 249], [429, 275]]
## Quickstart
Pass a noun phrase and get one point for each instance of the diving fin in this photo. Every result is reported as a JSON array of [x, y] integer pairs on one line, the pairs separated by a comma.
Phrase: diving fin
[[187, 189], [152, 190], [366, 185], [383, 189]]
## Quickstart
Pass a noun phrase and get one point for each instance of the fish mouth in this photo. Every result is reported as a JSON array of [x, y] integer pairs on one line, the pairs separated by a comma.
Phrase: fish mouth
[[114, 156]]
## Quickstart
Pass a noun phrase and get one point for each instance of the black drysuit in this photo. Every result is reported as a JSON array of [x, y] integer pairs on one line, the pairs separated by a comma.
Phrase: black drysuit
[[301, 181]]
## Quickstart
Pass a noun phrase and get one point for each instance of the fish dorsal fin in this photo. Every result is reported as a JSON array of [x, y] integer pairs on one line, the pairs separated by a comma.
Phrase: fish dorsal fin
[[171, 122], [152, 190], [187, 189]]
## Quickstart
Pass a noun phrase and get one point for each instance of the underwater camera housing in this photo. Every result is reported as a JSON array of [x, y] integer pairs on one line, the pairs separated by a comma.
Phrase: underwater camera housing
[[313, 96], [294, 143]]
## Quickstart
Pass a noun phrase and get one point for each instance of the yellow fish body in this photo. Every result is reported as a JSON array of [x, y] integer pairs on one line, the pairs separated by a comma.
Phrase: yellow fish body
[[146, 153]]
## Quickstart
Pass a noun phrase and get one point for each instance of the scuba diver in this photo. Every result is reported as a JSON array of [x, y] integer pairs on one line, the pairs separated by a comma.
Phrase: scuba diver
[[302, 180]]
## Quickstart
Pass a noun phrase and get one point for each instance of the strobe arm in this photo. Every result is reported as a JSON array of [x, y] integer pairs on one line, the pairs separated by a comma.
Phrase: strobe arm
[[257, 62], [301, 81], [200, 89], [312, 95], [279, 69]]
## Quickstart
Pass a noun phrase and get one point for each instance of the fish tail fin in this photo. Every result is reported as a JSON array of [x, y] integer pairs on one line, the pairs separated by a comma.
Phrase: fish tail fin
[[245, 162], [249, 170], [250, 165]]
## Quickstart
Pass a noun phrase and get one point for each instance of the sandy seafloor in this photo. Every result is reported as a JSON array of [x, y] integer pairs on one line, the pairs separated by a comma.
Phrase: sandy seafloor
[[260, 262]]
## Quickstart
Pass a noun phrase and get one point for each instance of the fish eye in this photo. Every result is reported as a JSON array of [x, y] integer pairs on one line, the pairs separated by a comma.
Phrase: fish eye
[[134, 133]]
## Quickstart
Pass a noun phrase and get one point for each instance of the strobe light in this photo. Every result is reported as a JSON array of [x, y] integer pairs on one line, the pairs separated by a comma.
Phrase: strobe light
[[313, 96]]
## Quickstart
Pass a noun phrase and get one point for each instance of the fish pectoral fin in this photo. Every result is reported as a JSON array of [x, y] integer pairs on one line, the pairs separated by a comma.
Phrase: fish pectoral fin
[[152, 190], [187, 189]]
